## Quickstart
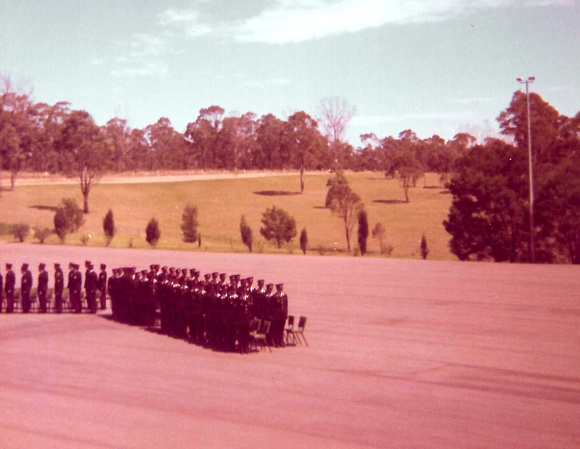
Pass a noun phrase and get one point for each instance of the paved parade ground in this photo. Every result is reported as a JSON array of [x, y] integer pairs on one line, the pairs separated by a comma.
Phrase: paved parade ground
[[402, 354]]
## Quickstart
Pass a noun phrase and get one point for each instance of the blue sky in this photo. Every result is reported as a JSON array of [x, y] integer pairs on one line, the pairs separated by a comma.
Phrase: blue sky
[[436, 67]]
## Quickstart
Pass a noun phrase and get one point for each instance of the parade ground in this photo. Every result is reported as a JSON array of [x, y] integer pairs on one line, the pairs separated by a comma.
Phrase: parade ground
[[401, 354]]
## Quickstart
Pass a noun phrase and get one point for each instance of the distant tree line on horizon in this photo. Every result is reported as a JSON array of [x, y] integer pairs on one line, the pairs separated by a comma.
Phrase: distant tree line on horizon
[[488, 180]]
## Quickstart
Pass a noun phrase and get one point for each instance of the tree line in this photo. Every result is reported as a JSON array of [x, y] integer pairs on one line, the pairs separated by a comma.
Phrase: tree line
[[488, 180], [54, 139]]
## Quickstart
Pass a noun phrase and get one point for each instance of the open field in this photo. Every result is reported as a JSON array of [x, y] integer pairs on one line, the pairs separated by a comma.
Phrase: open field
[[222, 201], [403, 354]]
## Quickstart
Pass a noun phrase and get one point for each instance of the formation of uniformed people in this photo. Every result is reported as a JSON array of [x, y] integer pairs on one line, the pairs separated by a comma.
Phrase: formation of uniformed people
[[92, 285], [208, 310]]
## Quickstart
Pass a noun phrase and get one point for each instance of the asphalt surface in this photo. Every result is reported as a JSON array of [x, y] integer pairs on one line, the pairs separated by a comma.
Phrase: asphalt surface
[[402, 354]]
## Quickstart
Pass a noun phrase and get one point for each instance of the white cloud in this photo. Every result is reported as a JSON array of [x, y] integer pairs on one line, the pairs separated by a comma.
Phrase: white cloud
[[301, 20], [284, 21]]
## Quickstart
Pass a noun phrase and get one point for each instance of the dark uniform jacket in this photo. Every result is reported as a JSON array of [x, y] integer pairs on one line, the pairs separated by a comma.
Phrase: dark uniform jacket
[[58, 281], [91, 280], [102, 284], [26, 282], [10, 282], [42, 282]]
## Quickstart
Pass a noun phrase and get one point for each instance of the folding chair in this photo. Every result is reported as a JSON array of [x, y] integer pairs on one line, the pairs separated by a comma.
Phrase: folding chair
[[17, 302], [261, 335], [65, 299], [33, 299], [299, 334], [49, 298], [289, 331]]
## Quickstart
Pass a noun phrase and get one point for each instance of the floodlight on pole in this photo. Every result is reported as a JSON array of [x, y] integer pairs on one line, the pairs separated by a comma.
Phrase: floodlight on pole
[[527, 82]]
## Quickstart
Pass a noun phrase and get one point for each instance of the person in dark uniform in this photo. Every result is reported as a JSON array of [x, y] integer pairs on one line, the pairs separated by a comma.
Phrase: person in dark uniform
[[58, 287], [25, 287], [279, 315], [102, 286], [91, 282], [268, 311], [9, 286], [75, 285], [42, 286]]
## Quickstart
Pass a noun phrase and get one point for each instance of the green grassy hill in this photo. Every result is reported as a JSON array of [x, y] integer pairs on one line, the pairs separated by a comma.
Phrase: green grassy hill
[[221, 203]]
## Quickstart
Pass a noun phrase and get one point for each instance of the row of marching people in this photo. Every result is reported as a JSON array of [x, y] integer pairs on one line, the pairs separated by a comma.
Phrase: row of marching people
[[209, 311], [71, 294]]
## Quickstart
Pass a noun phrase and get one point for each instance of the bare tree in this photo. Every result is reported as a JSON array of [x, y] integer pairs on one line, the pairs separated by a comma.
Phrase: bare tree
[[335, 115]]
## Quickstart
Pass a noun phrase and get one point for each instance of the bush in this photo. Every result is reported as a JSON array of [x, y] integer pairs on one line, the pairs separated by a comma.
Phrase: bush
[[60, 224], [363, 231], [278, 225], [42, 233], [189, 224], [73, 214], [424, 249], [303, 240], [246, 232], [152, 232], [109, 227], [20, 231]]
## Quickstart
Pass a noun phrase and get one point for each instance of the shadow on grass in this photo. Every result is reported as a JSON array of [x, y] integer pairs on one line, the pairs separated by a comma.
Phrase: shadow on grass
[[434, 187], [390, 201], [275, 193], [445, 192], [40, 207], [320, 207]]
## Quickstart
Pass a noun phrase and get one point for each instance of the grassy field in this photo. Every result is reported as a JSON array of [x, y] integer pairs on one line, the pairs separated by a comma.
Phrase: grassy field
[[221, 202]]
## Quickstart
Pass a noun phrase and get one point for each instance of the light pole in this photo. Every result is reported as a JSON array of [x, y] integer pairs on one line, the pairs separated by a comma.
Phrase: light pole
[[527, 82]]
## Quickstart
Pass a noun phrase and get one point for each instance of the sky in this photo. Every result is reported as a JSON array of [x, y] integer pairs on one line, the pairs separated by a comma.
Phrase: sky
[[435, 67]]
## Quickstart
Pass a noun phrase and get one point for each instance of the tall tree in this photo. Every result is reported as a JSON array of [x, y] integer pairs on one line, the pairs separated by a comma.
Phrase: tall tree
[[239, 139], [167, 147], [119, 135], [86, 151], [17, 134], [269, 135], [203, 136], [488, 213], [335, 115], [344, 203], [303, 145], [544, 119]]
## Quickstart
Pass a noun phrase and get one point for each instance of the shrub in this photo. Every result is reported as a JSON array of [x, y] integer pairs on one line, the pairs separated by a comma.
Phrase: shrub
[[363, 231], [152, 232], [303, 240], [60, 224], [109, 227], [73, 214], [42, 233], [246, 232], [20, 231], [424, 249], [278, 225], [189, 224]]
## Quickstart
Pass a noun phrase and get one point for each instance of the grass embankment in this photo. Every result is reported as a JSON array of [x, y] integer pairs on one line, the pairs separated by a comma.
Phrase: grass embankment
[[221, 203]]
